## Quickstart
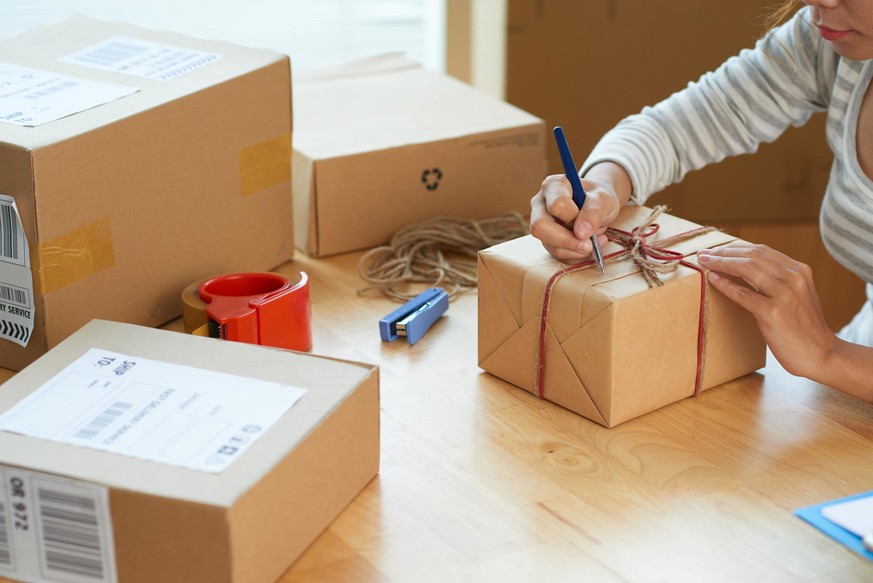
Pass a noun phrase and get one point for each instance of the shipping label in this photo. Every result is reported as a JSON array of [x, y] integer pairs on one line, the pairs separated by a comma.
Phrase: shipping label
[[54, 530], [16, 281], [169, 413], [141, 58], [31, 97]]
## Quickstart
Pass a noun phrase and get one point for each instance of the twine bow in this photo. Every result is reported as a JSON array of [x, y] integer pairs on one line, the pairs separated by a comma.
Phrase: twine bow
[[654, 261]]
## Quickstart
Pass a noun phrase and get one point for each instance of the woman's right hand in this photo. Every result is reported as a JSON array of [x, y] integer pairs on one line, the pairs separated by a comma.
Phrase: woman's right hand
[[564, 230]]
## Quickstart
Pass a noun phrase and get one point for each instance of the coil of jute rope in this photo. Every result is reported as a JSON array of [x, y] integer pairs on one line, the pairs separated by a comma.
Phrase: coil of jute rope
[[439, 252]]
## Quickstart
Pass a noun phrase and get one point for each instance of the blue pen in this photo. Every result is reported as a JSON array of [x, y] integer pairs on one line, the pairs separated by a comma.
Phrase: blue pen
[[578, 192]]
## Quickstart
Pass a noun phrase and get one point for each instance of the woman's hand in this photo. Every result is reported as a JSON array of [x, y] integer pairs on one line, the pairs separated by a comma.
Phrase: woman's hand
[[780, 294], [564, 230]]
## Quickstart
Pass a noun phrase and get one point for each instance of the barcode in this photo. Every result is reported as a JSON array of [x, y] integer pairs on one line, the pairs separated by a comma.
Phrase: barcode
[[112, 53], [181, 69], [8, 232], [5, 549], [70, 534], [51, 89], [103, 420], [15, 295]]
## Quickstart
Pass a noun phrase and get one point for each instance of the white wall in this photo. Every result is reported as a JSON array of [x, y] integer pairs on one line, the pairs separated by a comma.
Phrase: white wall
[[312, 32]]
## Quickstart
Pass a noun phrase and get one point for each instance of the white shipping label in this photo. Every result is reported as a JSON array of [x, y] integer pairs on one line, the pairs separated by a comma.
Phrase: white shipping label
[[54, 530], [169, 413], [141, 58], [16, 281], [30, 97]]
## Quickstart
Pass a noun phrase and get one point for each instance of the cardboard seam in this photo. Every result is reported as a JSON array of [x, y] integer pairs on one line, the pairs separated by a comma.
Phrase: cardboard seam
[[314, 234], [532, 126], [36, 282]]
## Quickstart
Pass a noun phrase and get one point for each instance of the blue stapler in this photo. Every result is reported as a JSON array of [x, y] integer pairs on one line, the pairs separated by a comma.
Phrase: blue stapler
[[415, 317]]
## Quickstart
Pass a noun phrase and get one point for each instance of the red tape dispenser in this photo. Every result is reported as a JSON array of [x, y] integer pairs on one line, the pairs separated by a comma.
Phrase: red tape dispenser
[[258, 308]]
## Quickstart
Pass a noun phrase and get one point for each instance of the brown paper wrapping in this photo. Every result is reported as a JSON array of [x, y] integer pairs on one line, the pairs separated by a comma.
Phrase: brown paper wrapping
[[615, 349]]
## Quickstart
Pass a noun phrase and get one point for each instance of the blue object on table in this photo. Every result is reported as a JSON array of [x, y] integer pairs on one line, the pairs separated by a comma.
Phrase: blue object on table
[[415, 317], [578, 192], [813, 515]]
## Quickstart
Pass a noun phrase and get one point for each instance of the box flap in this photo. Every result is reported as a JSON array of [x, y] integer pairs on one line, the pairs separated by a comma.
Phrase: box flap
[[45, 45], [375, 105]]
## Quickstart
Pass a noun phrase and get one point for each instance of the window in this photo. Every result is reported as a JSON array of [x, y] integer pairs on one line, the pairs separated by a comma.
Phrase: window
[[313, 33]]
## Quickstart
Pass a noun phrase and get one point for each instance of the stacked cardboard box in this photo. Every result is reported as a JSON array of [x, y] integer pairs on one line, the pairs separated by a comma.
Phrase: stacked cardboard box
[[124, 204], [382, 143], [587, 65], [136, 520]]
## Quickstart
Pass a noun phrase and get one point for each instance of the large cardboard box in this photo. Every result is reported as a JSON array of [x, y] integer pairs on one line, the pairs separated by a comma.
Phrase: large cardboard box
[[172, 524], [382, 143], [587, 65], [126, 203], [611, 348]]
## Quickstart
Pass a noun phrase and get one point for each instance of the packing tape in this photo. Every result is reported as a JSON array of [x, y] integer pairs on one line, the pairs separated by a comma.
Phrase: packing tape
[[257, 307], [75, 256], [264, 165], [193, 308]]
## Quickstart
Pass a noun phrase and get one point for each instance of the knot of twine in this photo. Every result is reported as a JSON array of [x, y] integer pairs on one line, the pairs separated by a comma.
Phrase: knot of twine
[[439, 252], [654, 262]]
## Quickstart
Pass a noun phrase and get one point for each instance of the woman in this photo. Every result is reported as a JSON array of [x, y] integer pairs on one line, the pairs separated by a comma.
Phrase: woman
[[821, 59]]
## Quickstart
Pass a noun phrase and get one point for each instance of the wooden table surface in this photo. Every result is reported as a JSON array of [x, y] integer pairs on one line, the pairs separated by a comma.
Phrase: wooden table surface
[[481, 481]]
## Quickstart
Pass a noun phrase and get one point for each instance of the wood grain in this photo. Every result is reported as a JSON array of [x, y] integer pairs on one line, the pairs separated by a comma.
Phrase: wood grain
[[480, 481]]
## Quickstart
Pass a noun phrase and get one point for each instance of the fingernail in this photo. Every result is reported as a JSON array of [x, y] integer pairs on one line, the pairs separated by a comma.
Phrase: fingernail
[[585, 228], [704, 258], [585, 246], [713, 276]]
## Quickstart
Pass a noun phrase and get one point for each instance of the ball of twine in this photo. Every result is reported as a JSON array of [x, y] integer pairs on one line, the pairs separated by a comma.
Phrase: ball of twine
[[440, 252]]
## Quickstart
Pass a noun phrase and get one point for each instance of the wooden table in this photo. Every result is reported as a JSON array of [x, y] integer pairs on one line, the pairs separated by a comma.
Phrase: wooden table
[[481, 481]]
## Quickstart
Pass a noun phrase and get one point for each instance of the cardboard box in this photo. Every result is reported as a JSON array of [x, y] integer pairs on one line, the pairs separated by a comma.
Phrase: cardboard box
[[614, 348], [589, 82], [126, 203], [381, 143], [245, 524]]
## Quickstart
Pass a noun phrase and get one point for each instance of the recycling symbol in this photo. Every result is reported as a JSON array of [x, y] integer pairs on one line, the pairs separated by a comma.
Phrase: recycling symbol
[[431, 178]]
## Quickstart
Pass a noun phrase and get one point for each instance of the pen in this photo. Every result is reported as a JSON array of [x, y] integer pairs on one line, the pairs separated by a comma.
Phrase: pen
[[578, 192]]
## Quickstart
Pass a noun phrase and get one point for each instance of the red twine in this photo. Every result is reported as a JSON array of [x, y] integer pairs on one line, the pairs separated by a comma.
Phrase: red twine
[[636, 246]]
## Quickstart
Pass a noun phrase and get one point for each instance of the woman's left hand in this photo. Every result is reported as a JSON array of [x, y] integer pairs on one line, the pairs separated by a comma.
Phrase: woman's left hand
[[780, 294]]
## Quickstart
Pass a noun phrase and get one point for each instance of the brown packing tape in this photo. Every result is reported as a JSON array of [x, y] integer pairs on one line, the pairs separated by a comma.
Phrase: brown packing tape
[[264, 165], [75, 256], [193, 308]]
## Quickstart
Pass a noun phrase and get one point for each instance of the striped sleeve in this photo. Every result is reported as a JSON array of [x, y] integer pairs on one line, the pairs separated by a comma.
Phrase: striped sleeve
[[752, 98]]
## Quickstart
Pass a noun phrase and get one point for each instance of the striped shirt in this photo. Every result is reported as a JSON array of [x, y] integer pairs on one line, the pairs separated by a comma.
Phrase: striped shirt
[[752, 98]]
